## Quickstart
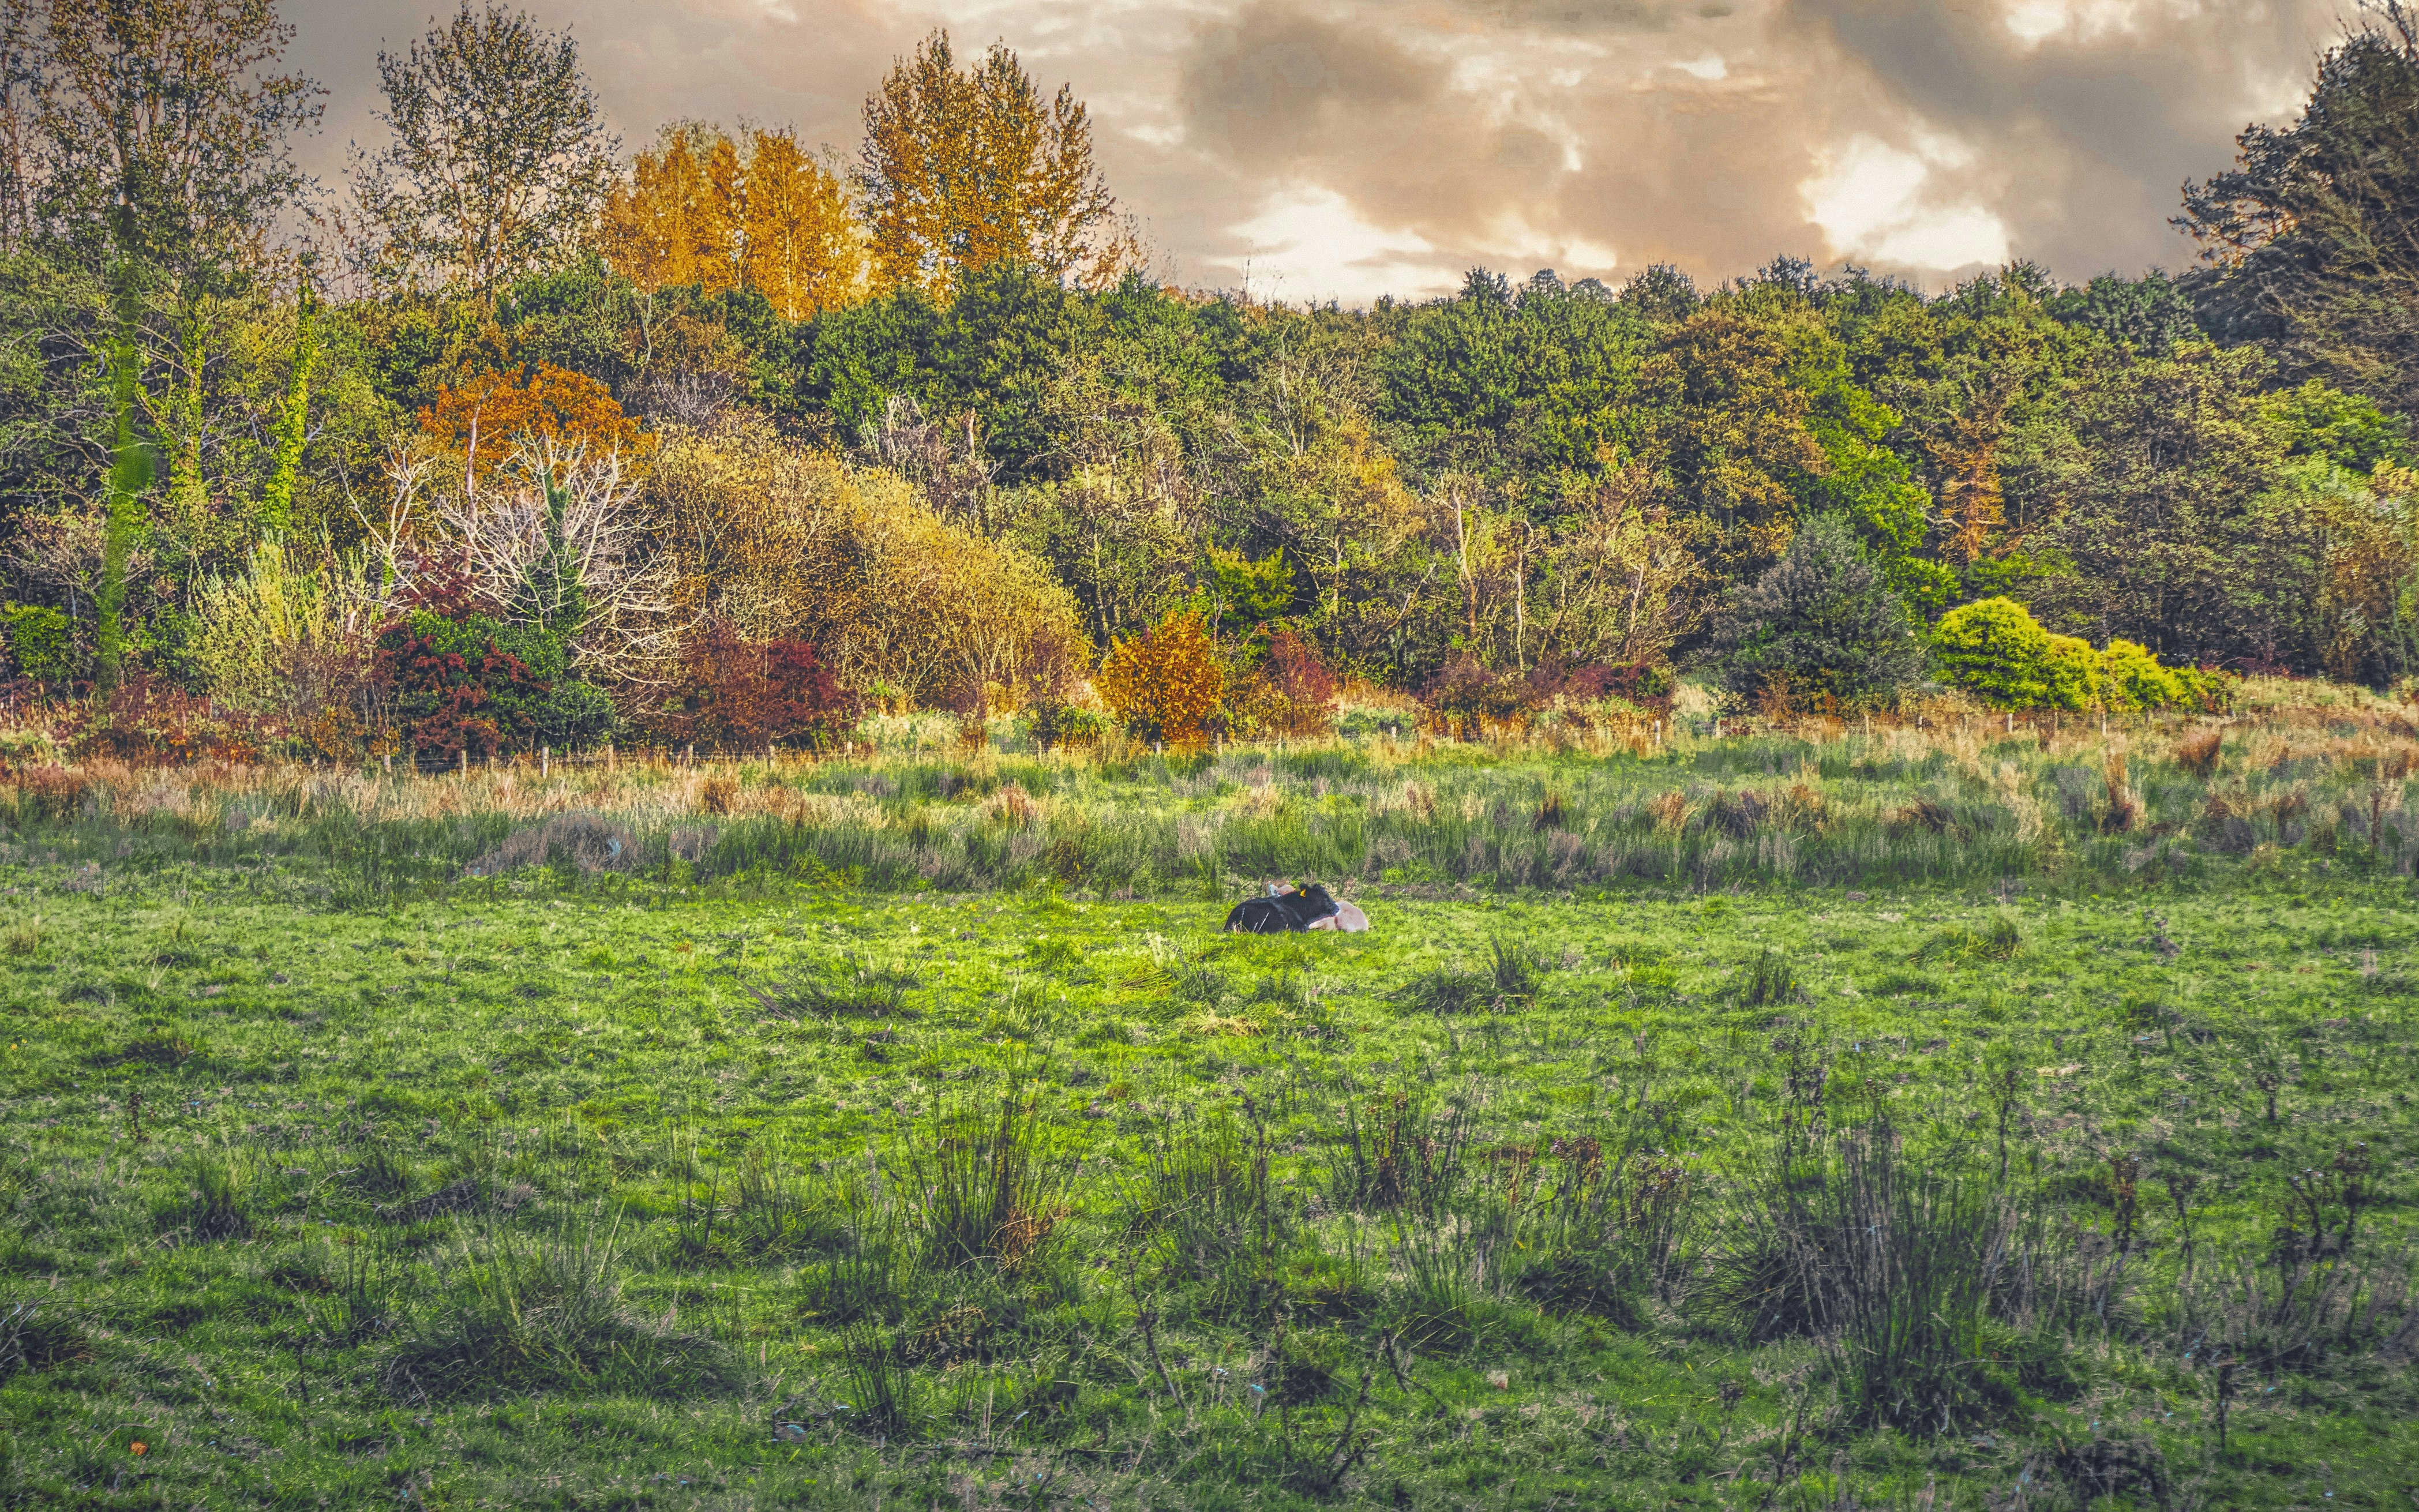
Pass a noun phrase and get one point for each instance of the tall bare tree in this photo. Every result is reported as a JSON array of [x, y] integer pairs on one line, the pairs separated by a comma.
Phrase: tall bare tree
[[500, 157]]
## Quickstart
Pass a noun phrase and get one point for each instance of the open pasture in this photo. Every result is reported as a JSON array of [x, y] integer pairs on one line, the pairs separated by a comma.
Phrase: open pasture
[[1926, 1118]]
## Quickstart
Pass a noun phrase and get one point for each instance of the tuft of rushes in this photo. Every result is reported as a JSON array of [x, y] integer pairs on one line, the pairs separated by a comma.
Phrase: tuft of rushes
[[515, 1310]]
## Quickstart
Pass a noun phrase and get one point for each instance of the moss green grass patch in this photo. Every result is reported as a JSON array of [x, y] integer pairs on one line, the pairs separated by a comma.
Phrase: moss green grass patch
[[543, 1192]]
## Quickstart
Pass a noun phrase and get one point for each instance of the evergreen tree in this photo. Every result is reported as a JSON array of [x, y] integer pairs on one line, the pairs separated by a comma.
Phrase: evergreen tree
[[1818, 623]]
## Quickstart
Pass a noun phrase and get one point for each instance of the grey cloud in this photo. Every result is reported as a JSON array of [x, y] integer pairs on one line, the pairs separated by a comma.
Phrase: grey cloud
[[1275, 87], [2094, 135], [1580, 18], [1669, 166], [1456, 121]]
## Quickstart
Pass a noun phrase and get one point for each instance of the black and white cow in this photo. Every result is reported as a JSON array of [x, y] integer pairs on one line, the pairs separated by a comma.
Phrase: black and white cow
[[1285, 913]]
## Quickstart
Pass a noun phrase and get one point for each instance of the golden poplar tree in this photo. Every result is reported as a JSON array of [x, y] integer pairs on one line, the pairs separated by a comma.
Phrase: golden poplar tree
[[963, 168], [800, 248], [701, 208], [673, 221]]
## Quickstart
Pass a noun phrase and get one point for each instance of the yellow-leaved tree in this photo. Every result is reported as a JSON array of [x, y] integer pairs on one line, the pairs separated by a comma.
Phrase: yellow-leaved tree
[[1165, 683], [702, 208], [674, 220], [799, 246], [962, 169]]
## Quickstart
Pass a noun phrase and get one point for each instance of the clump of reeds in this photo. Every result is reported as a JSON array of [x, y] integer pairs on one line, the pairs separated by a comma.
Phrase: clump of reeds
[[989, 1185], [521, 1311], [2198, 752], [1509, 979]]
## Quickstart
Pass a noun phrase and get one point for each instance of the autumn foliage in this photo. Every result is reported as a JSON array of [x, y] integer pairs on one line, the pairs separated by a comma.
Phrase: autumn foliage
[[1165, 683], [489, 416], [706, 210], [1292, 690], [963, 168], [736, 694], [455, 700]]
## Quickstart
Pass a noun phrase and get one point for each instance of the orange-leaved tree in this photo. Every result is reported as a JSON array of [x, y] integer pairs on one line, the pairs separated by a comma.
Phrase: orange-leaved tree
[[701, 207], [964, 168], [674, 221], [1166, 682], [489, 415], [799, 246]]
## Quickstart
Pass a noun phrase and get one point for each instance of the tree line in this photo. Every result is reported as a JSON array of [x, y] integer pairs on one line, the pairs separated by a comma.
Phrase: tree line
[[514, 438]]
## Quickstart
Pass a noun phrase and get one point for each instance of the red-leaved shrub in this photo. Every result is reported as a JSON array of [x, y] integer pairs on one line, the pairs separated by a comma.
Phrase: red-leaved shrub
[[1301, 688], [450, 702], [743, 695], [148, 720], [1644, 685]]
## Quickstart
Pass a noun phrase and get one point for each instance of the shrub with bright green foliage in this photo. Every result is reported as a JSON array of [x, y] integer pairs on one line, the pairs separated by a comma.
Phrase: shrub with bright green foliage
[[39, 643], [2131, 678], [1995, 649], [2072, 673]]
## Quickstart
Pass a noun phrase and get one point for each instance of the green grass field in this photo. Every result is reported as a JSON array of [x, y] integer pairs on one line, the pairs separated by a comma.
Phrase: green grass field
[[1847, 1153]]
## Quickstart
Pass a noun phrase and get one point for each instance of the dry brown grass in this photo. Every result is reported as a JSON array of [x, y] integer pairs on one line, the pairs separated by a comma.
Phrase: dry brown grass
[[2336, 739]]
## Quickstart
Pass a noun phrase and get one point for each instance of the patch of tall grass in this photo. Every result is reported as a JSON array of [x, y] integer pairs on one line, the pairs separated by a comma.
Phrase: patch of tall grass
[[540, 1307], [1817, 806]]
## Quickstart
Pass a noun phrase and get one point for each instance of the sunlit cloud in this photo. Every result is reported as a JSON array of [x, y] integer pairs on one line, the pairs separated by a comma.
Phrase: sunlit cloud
[[1347, 149], [1878, 204]]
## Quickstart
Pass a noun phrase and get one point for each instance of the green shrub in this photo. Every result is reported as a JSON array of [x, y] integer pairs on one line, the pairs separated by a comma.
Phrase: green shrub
[[2131, 678], [1995, 649], [1770, 982], [39, 642], [1820, 622], [2072, 673], [991, 1187]]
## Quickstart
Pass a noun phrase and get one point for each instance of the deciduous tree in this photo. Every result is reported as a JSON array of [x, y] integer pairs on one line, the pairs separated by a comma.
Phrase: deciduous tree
[[155, 129], [964, 168], [494, 415], [674, 220], [799, 246], [757, 212], [500, 156]]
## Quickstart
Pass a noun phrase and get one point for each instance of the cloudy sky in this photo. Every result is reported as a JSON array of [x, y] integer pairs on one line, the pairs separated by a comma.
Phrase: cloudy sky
[[1312, 150]]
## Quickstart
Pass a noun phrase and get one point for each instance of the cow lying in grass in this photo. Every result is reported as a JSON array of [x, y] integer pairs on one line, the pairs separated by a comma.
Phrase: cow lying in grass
[[1289, 911]]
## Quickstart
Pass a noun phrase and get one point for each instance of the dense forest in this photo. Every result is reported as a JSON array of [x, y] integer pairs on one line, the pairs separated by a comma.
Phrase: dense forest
[[517, 439]]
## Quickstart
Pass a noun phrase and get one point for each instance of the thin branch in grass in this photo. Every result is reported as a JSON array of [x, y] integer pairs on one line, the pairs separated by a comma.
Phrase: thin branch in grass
[[1147, 1321]]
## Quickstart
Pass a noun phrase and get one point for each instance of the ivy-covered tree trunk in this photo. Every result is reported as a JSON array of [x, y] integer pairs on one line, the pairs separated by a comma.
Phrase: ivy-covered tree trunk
[[293, 419]]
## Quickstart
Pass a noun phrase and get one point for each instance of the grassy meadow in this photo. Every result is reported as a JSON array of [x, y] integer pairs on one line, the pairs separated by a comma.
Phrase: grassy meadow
[[1939, 1115]]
